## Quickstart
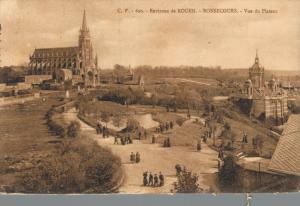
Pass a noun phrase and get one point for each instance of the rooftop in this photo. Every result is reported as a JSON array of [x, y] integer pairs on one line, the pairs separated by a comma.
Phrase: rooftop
[[286, 158]]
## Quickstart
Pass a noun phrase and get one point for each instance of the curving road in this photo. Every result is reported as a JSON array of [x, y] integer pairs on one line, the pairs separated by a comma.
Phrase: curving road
[[155, 158]]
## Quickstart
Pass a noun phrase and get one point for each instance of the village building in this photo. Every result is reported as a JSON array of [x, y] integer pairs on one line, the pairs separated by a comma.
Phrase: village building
[[264, 98], [282, 171], [79, 60]]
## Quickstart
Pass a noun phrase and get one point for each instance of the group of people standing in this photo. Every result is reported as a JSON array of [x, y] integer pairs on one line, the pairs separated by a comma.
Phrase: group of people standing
[[102, 130], [153, 180], [164, 127], [135, 158], [167, 142], [124, 140]]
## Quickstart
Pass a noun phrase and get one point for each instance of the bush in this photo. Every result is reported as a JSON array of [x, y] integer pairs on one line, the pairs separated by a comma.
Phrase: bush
[[56, 128], [186, 182], [73, 129], [75, 167], [180, 121]]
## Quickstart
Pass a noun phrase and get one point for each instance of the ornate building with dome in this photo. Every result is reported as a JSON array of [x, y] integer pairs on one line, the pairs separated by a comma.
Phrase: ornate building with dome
[[264, 98], [80, 60]]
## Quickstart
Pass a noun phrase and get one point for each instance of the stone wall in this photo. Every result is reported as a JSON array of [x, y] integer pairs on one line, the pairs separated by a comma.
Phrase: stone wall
[[36, 79]]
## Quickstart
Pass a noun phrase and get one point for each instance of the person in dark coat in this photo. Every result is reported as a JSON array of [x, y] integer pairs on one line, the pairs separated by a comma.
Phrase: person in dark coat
[[245, 138], [155, 180], [167, 126], [150, 182], [129, 140], [221, 155], [199, 145], [153, 139], [132, 157], [98, 128], [161, 179], [145, 178], [103, 132], [171, 125], [168, 143], [137, 157]]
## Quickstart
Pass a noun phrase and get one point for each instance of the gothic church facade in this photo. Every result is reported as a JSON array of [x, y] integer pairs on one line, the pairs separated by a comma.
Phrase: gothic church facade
[[80, 60]]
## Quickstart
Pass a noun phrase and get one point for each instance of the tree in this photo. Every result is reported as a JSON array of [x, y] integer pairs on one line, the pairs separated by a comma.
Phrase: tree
[[73, 129], [186, 182]]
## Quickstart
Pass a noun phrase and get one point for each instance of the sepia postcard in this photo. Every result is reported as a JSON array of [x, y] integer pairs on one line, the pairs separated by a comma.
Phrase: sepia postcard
[[149, 97]]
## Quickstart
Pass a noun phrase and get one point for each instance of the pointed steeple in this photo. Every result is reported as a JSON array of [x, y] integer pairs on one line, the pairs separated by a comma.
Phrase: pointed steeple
[[96, 59], [256, 57], [84, 24]]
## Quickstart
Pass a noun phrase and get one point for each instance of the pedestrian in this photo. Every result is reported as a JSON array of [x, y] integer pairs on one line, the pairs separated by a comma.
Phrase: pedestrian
[[220, 155], [137, 157], [132, 157], [161, 179], [97, 128], [178, 169], [245, 138], [199, 145], [155, 180], [168, 143], [204, 139], [103, 132], [116, 140], [123, 140], [153, 139], [165, 143], [129, 140], [150, 182], [145, 178], [140, 134], [100, 129], [167, 126], [171, 125], [161, 128]]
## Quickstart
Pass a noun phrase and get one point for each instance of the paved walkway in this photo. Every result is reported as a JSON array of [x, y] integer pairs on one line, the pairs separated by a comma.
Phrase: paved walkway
[[154, 158]]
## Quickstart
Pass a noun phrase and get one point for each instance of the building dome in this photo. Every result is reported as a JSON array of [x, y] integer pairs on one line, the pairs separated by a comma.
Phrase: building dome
[[256, 74]]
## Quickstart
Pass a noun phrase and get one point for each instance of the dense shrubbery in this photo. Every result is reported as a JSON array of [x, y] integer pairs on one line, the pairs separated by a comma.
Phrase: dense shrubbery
[[73, 129], [186, 182], [76, 167], [56, 128], [53, 126]]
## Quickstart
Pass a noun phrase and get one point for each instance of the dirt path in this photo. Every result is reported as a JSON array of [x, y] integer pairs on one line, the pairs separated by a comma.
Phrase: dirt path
[[154, 158]]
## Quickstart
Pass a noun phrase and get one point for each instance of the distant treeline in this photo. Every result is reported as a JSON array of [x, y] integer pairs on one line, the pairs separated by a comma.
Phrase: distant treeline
[[10, 74]]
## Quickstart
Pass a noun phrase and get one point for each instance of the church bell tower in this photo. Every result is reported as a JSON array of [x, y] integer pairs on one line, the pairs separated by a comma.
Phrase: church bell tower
[[85, 47]]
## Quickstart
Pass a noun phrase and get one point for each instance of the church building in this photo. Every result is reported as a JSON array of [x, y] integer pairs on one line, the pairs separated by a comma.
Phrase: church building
[[264, 98], [80, 60]]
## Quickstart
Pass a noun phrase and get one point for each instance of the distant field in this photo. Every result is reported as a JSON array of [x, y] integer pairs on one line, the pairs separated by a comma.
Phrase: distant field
[[198, 80]]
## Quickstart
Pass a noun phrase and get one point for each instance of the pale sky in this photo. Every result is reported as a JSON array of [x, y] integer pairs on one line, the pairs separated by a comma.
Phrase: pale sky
[[228, 40]]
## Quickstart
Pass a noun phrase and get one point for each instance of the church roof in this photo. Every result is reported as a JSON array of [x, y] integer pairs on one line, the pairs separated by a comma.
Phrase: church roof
[[58, 51], [286, 158]]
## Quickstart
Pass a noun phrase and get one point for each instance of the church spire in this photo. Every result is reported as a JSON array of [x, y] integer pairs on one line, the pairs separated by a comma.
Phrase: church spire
[[256, 57], [84, 24]]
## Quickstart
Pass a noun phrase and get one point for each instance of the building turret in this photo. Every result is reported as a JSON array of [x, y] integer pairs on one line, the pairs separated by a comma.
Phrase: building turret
[[256, 74]]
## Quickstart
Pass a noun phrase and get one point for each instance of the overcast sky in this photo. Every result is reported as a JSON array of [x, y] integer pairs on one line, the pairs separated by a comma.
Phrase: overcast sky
[[228, 40]]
